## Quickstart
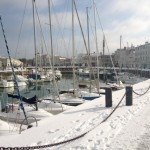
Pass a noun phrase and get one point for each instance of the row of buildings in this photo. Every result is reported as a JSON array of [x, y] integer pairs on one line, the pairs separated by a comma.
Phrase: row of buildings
[[127, 57], [134, 57]]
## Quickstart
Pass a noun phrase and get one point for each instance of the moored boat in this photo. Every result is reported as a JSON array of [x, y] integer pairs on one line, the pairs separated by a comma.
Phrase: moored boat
[[6, 83]]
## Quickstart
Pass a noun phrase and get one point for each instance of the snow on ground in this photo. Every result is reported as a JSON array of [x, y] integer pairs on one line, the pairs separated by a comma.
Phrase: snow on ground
[[127, 128], [9, 128]]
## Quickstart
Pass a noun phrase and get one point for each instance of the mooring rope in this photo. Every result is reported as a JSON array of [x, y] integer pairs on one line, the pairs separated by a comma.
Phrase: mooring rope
[[142, 93]]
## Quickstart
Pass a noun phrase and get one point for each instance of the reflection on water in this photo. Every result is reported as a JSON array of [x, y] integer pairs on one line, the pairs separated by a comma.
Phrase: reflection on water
[[44, 88], [41, 90], [1, 91]]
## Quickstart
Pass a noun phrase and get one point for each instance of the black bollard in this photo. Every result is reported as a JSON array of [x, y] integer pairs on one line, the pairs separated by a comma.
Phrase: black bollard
[[129, 91], [108, 97]]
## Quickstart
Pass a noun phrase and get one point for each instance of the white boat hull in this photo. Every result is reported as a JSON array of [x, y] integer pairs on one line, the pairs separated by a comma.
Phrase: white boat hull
[[7, 84], [13, 115]]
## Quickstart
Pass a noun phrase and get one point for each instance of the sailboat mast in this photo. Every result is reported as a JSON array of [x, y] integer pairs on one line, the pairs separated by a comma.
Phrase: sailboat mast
[[51, 37], [88, 45], [96, 42], [33, 1], [88, 30], [120, 68], [73, 47], [104, 60], [103, 46]]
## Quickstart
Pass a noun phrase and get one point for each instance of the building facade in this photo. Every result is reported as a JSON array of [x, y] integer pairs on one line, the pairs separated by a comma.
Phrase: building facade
[[142, 56], [96, 60], [5, 63], [125, 57], [46, 60]]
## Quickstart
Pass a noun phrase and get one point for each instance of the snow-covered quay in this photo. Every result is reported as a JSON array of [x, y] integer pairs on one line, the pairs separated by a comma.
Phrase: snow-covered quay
[[128, 128]]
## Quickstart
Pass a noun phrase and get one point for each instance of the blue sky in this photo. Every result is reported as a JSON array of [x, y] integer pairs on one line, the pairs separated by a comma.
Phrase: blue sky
[[118, 17]]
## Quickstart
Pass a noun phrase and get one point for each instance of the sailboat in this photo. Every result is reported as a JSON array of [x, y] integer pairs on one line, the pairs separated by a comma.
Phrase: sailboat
[[62, 98], [10, 109], [11, 112], [83, 94], [58, 74], [118, 85], [22, 81], [6, 83]]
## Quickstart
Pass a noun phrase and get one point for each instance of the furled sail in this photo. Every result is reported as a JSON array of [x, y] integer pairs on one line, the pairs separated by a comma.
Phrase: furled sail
[[32, 100]]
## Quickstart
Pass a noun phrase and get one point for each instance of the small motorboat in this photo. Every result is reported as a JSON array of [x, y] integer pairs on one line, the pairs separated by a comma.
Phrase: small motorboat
[[116, 86]]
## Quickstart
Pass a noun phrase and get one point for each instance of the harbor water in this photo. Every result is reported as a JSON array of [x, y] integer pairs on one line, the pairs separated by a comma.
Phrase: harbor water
[[42, 89]]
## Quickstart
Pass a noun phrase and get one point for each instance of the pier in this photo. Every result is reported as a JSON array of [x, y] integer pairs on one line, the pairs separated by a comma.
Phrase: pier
[[69, 70]]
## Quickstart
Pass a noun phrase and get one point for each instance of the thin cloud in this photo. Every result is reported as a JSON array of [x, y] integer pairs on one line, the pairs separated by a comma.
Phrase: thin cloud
[[128, 18]]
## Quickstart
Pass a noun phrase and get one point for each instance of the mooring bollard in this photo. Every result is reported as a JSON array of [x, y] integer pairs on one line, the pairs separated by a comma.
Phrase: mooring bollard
[[129, 91], [108, 97]]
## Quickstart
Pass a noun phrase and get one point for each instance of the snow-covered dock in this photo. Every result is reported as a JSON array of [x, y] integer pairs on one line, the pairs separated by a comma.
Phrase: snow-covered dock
[[127, 128]]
